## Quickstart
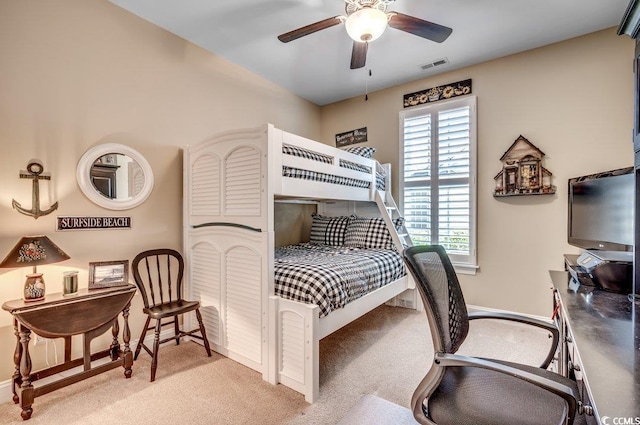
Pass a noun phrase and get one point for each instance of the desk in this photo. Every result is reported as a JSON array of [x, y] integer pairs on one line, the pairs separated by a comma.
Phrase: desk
[[90, 313], [602, 331]]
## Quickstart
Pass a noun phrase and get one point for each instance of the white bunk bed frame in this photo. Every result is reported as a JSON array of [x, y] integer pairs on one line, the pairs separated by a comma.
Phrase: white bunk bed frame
[[231, 182]]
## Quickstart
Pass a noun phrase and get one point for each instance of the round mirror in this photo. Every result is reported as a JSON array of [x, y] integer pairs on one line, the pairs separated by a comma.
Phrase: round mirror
[[114, 176]]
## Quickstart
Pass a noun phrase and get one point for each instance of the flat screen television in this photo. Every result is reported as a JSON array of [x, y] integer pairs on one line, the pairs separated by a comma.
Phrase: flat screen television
[[601, 210]]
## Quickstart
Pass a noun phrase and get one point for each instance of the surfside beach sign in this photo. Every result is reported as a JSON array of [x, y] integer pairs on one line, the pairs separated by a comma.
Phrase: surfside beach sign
[[93, 223]]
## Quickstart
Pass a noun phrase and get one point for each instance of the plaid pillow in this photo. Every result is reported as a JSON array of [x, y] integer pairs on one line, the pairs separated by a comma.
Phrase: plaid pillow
[[365, 151], [368, 232], [328, 230]]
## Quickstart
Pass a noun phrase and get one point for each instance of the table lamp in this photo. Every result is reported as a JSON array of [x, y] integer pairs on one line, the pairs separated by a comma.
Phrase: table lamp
[[33, 251]]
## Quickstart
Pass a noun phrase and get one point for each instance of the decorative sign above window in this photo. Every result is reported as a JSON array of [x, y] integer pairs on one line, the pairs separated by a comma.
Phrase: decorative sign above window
[[351, 137], [434, 94], [92, 223], [522, 171]]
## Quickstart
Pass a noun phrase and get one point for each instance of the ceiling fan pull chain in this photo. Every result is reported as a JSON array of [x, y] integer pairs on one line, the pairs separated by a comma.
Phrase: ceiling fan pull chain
[[366, 87]]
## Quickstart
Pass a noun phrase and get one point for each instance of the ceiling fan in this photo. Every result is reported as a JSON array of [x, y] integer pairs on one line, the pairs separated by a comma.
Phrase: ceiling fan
[[366, 20]]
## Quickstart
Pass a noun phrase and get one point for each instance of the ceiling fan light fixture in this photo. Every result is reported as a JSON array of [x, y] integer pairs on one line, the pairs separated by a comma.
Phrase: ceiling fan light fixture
[[366, 24]]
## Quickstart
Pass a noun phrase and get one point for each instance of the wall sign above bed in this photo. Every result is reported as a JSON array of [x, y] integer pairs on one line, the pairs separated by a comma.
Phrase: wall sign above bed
[[447, 91], [351, 137]]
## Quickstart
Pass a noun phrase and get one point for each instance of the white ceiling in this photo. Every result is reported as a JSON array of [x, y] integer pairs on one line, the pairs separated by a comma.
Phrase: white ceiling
[[316, 67]]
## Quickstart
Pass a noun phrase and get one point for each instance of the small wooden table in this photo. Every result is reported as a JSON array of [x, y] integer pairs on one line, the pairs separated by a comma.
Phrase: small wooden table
[[90, 313]]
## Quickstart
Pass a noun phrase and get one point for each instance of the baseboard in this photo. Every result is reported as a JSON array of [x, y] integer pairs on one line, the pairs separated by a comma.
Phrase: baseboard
[[6, 393], [495, 310]]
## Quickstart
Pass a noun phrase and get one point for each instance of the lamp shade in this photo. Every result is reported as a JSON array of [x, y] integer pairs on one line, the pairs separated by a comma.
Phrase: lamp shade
[[366, 24], [33, 251]]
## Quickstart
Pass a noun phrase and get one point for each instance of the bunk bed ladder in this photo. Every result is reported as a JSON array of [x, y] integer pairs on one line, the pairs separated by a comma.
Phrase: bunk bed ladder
[[389, 212]]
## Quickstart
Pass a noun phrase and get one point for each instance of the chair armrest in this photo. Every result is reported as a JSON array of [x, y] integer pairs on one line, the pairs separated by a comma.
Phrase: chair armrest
[[548, 326], [569, 394]]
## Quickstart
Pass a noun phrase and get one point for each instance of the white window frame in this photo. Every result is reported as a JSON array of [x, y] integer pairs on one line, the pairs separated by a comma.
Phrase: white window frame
[[468, 265]]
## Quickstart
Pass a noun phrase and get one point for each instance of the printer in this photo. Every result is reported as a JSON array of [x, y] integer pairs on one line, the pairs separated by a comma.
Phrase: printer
[[610, 270]]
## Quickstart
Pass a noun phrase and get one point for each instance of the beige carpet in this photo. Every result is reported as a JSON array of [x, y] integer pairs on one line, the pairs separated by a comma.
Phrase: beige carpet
[[384, 353]]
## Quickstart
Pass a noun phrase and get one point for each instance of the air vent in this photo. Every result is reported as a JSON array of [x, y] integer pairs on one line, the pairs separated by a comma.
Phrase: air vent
[[437, 62]]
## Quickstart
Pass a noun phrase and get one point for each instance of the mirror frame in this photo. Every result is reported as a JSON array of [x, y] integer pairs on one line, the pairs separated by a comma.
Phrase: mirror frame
[[83, 176]]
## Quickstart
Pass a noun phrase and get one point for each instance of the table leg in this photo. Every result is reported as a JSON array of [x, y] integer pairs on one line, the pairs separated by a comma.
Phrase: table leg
[[115, 344], [126, 337], [17, 355], [67, 349], [26, 389]]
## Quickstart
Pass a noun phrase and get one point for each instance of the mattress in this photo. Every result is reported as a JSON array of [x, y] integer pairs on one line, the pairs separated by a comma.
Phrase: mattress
[[331, 276]]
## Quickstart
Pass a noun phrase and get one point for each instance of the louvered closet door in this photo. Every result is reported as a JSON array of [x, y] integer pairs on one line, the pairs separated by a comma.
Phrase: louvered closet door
[[205, 186], [227, 269], [243, 302], [226, 181], [243, 183], [205, 285]]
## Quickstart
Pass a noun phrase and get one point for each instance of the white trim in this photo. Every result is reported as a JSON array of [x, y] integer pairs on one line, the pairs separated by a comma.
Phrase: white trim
[[462, 268], [5, 391], [495, 310], [469, 263]]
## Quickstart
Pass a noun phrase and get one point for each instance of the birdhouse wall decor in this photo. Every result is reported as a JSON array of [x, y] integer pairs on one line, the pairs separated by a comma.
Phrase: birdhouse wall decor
[[522, 171]]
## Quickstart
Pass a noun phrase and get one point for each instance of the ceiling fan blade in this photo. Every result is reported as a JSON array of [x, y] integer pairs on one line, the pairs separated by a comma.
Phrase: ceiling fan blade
[[359, 54], [309, 29], [419, 27]]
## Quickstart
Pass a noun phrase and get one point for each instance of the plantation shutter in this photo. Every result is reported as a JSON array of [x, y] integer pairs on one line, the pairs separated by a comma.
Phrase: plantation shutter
[[437, 177], [453, 172]]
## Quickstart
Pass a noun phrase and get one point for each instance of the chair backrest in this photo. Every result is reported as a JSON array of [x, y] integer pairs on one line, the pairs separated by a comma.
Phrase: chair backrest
[[441, 294], [158, 275]]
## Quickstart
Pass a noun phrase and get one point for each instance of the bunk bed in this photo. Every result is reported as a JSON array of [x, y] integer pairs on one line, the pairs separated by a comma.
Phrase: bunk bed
[[231, 182]]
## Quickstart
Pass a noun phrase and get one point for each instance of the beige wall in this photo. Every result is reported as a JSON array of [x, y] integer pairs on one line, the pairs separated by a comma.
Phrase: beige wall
[[573, 100], [76, 73]]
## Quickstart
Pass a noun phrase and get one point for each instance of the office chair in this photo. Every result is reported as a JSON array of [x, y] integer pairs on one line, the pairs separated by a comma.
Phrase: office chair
[[158, 275], [461, 390]]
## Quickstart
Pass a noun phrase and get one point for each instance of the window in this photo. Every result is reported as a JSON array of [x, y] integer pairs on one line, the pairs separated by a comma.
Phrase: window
[[438, 178]]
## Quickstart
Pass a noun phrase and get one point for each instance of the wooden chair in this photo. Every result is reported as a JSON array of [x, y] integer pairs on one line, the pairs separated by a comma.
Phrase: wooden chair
[[158, 274]]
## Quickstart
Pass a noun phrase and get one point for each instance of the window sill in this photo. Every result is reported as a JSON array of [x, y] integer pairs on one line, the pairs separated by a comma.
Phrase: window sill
[[462, 268]]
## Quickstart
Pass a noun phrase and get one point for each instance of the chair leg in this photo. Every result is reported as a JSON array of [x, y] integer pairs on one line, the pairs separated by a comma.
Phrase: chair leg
[[141, 340], [176, 329], [156, 347], [203, 332]]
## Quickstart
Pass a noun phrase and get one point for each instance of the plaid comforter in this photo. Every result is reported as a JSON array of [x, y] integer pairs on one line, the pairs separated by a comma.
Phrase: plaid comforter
[[330, 276], [328, 178]]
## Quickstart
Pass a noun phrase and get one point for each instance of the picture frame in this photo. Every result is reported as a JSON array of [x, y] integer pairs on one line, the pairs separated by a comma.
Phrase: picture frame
[[107, 274]]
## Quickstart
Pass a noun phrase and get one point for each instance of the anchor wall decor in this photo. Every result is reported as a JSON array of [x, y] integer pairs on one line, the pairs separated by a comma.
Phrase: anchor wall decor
[[34, 172]]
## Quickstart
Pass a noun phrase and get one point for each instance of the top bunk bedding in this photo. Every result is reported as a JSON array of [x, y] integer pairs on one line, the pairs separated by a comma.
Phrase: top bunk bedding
[[364, 151], [333, 276]]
